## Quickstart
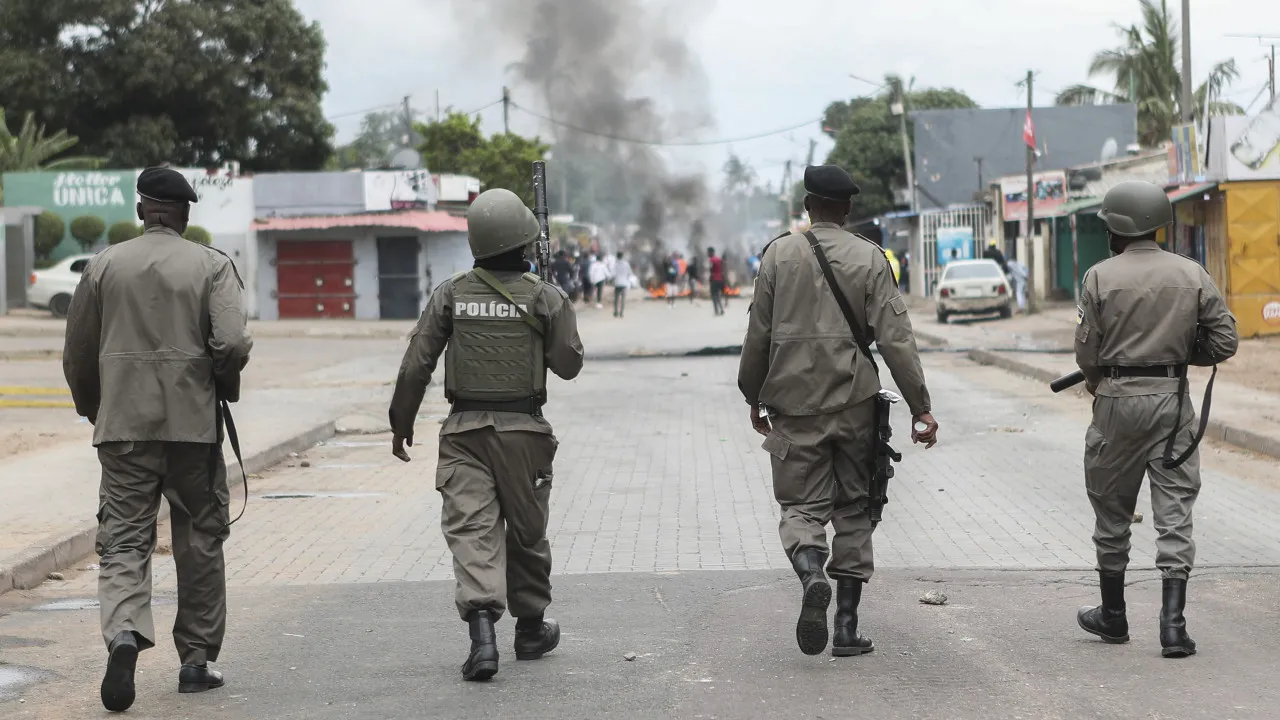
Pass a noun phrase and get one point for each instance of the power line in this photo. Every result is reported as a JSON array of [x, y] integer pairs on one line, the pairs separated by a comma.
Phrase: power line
[[659, 143], [366, 111]]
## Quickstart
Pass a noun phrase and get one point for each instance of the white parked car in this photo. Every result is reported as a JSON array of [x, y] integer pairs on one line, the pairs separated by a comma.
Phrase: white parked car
[[973, 287], [51, 289]]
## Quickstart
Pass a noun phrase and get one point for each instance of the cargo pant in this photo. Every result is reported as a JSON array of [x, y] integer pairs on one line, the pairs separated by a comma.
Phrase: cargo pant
[[193, 478], [495, 489], [822, 471], [1125, 442]]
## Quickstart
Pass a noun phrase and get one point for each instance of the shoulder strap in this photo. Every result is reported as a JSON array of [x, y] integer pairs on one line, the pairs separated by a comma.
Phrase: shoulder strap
[[859, 336], [488, 279]]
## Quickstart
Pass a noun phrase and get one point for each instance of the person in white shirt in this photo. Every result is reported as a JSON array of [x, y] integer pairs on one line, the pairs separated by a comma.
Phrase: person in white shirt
[[622, 279], [599, 272]]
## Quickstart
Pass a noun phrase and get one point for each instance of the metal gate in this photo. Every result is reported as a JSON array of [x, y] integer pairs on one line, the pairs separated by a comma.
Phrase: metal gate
[[974, 217], [1253, 227], [315, 279], [399, 280]]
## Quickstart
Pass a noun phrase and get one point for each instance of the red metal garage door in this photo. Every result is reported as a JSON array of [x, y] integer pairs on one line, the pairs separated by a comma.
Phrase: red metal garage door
[[315, 279]]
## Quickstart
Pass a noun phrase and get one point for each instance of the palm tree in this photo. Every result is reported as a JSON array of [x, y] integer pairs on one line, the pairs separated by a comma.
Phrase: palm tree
[[31, 150], [1146, 73]]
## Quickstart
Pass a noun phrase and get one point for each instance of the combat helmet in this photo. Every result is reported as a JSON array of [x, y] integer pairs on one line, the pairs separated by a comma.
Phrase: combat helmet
[[498, 221], [1133, 209]]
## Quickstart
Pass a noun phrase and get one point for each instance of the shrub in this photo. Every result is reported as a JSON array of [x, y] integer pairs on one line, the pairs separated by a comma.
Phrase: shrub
[[122, 231], [87, 230], [49, 232], [197, 234]]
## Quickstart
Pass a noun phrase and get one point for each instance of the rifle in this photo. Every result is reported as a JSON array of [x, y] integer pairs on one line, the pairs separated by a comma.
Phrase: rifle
[[885, 457], [542, 248]]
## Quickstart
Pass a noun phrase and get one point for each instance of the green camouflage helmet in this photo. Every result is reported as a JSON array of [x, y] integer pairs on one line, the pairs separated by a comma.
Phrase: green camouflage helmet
[[498, 221], [1134, 209]]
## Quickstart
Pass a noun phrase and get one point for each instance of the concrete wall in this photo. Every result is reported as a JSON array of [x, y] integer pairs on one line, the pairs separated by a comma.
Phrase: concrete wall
[[365, 248], [293, 194], [444, 255]]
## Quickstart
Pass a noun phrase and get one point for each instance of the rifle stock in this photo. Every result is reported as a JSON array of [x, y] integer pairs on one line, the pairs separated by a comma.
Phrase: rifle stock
[[885, 456], [542, 248]]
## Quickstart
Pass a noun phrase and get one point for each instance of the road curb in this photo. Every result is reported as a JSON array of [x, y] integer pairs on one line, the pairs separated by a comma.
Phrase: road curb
[[1216, 429], [60, 550], [30, 354]]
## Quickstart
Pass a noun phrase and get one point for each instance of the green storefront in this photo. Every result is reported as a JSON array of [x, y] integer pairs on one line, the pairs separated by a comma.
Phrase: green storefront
[[1073, 258], [109, 195]]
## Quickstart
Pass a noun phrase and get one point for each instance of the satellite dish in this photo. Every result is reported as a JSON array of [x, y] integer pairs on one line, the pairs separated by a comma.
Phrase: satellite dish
[[1110, 149], [406, 159]]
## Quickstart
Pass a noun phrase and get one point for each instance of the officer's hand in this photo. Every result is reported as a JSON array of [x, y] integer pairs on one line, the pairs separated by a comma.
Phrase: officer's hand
[[928, 436], [397, 447], [761, 424]]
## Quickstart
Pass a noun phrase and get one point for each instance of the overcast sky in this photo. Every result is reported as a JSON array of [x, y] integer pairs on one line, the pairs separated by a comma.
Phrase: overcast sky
[[776, 63]]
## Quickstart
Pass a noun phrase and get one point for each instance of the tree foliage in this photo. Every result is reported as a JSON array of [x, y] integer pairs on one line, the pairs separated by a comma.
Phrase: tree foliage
[[190, 82], [869, 141], [1145, 72], [123, 231], [88, 230], [381, 134], [49, 231], [456, 145], [197, 234]]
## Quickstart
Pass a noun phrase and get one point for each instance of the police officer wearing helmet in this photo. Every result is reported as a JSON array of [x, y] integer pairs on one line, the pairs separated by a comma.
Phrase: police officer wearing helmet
[[1144, 316], [802, 362], [155, 340], [500, 329]]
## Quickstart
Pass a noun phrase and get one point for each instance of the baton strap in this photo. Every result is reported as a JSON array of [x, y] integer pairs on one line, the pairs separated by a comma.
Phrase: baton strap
[[1168, 461], [234, 437]]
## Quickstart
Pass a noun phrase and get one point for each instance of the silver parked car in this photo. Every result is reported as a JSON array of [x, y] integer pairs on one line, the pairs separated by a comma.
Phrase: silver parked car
[[973, 287]]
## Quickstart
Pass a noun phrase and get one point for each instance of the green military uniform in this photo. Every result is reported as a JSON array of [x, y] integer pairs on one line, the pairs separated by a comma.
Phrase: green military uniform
[[496, 449], [1141, 314], [800, 361], [156, 334]]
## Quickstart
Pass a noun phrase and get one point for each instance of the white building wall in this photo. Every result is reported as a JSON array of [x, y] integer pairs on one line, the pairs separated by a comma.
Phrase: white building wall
[[444, 255], [365, 248]]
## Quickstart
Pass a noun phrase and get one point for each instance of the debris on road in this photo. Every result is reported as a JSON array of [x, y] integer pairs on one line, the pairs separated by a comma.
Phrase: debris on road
[[305, 463], [933, 597], [629, 656], [1137, 517], [56, 576]]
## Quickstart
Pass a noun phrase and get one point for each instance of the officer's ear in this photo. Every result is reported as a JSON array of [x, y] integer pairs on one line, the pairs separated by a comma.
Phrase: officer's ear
[[138, 209]]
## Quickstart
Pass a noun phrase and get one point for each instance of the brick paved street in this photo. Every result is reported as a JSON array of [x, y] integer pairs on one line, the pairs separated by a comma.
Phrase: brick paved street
[[664, 537]]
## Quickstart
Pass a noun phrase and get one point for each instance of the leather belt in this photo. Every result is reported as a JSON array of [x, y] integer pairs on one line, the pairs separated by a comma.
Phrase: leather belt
[[1153, 371], [528, 406]]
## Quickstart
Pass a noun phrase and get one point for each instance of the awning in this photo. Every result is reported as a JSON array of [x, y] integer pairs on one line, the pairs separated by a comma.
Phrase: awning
[[420, 220], [1184, 192]]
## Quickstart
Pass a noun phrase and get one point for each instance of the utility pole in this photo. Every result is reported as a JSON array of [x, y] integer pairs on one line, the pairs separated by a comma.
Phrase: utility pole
[[1188, 107], [506, 110], [899, 108], [787, 197], [1271, 71], [408, 121], [1033, 304], [812, 145], [437, 105]]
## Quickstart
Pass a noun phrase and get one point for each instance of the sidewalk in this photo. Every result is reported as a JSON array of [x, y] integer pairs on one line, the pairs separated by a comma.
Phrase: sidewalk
[[1245, 410]]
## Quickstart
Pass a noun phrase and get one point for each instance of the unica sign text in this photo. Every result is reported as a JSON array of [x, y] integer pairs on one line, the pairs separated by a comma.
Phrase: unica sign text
[[87, 190]]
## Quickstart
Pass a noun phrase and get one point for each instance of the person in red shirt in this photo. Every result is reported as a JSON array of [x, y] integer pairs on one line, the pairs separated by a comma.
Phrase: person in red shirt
[[716, 279]]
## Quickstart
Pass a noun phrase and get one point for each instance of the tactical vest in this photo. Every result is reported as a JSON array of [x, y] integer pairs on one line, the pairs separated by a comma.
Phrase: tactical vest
[[494, 355]]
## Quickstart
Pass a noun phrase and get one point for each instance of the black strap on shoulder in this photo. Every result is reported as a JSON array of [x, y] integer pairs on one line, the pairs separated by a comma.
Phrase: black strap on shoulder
[[859, 336], [488, 279]]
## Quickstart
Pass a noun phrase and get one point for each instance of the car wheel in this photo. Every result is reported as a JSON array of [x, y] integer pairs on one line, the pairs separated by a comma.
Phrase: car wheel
[[59, 305], [1006, 312], [942, 317]]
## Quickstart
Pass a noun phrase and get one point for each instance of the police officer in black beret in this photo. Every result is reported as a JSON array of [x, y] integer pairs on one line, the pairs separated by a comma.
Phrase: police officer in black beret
[[156, 337], [809, 366]]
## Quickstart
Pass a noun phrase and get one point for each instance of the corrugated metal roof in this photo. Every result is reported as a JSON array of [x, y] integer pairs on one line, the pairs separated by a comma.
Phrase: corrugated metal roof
[[420, 220]]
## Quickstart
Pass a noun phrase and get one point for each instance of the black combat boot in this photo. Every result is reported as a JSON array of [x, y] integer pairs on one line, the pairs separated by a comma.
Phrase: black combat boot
[[198, 678], [117, 683], [1108, 620], [811, 628], [1174, 640], [536, 637], [482, 663], [845, 641]]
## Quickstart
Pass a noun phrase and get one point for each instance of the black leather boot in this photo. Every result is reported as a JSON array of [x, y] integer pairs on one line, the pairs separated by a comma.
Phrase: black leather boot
[[811, 628], [845, 641], [536, 637], [1174, 640], [1108, 620], [482, 663], [117, 690], [198, 678]]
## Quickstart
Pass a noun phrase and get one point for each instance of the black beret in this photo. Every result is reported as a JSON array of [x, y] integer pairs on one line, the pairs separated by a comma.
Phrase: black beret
[[165, 185], [829, 182]]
